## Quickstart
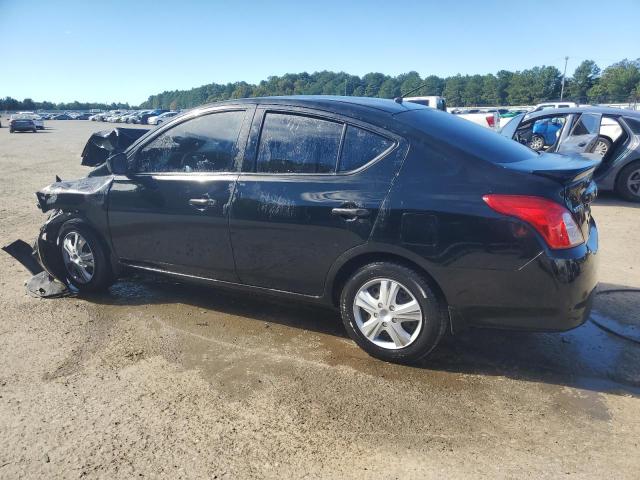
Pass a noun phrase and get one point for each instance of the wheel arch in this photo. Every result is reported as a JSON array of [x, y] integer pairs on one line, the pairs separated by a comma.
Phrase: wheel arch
[[48, 241], [356, 258]]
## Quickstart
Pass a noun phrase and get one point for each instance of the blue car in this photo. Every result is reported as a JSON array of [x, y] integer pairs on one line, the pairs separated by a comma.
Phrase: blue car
[[545, 132]]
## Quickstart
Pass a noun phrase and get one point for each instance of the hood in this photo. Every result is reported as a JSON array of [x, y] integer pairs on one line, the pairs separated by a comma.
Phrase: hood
[[105, 143], [74, 194]]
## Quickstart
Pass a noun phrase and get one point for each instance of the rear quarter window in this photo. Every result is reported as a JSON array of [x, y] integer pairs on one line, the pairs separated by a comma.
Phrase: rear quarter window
[[360, 147]]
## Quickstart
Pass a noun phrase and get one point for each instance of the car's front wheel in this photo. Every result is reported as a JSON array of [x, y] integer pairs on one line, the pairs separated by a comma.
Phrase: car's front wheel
[[393, 312], [84, 257]]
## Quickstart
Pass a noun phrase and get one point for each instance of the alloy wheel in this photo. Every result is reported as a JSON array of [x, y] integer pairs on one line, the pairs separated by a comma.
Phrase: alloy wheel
[[537, 143], [387, 314], [601, 148], [78, 257], [633, 182]]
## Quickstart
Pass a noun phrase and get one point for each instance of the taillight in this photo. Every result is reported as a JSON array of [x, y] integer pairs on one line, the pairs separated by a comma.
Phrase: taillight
[[550, 219], [491, 121]]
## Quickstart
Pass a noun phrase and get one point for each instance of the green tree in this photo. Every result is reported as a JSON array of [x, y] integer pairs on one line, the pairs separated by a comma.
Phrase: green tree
[[620, 80], [584, 77]]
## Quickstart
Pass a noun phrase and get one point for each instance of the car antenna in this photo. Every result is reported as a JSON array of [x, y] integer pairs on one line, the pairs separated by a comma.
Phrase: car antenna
[[399, 99]]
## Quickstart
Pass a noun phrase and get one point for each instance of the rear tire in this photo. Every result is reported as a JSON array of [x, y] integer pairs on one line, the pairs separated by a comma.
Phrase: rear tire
[[401, 320], [84, 257], [628, 182]]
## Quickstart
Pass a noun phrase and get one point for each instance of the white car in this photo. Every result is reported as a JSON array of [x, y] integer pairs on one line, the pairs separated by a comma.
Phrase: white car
[[432, 101], [163, 117], [544, 106]]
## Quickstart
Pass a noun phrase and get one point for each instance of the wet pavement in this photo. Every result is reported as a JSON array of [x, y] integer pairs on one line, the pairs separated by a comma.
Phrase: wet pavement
[[161, 379]]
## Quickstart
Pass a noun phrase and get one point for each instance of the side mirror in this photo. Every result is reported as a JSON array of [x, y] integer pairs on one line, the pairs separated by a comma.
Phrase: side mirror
[[118, 164]]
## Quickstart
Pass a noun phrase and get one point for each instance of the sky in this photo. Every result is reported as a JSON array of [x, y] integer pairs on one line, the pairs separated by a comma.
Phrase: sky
[[124, 51]]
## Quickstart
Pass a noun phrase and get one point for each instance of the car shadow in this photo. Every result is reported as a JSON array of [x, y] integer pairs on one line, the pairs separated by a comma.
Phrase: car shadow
[[611, 199], [587, 357]]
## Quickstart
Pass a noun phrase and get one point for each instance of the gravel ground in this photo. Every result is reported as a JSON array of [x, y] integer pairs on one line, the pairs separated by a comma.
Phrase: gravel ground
[[160, 380]]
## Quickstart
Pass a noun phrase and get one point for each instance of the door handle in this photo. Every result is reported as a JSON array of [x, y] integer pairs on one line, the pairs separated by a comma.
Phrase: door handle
[[350, 213], [202, 202]]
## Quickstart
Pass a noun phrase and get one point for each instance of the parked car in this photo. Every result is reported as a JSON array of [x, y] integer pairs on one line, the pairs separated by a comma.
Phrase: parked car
[[144, 118], [548, 105], [82, 116], [22, 123], [409, 220], [432, 101], [612, 134], [483, 118], [160, 119], [61, 116]]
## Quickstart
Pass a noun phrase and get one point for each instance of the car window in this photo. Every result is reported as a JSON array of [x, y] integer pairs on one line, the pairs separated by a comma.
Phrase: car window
[[634, 124], [588, 124], [360, 147], [298, 144], [203, 144]]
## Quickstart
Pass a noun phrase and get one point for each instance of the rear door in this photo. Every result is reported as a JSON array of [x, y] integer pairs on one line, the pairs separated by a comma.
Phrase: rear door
[[311, 188]]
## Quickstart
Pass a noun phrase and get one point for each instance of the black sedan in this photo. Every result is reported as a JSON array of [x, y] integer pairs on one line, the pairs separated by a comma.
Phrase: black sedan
[[409, 220], [22, 123]]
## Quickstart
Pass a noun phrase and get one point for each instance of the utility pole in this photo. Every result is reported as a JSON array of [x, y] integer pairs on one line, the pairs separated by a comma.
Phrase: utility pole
[[564, 75]]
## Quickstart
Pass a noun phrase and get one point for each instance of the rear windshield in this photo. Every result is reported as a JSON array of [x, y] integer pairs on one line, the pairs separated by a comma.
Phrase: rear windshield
[[467, 136]]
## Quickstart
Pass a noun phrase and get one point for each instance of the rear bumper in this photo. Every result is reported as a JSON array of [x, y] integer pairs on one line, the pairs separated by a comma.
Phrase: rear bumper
[[22, 128], [553, 292]]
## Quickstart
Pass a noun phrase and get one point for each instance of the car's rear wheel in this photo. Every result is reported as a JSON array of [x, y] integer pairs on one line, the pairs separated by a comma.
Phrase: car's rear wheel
[[84, 257], [392, 312], [602, 146], [628, 182], [536, 143]]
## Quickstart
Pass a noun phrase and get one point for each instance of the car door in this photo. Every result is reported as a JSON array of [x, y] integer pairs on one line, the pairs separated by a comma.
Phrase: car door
[[310, 189], [580, 135], [171, 213]]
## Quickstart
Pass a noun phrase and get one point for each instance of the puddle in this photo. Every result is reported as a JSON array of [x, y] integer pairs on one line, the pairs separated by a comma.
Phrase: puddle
[[241, 341], [618, 311]]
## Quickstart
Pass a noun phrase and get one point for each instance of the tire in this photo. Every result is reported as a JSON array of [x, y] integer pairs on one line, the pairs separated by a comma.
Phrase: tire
[[11, 130], [101, 275], [419, 337], [536, 143], [628, 182], [35, 130], [602, 146]]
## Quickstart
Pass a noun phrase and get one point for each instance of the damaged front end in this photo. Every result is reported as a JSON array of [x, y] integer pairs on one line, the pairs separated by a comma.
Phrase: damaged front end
[[83, 199]]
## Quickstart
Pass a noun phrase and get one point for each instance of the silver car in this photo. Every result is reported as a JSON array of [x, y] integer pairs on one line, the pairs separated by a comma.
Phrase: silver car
[[613, 134]]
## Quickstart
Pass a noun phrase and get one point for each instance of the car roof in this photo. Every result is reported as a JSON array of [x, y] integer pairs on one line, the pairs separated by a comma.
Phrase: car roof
[[601, 110], [337, 104]]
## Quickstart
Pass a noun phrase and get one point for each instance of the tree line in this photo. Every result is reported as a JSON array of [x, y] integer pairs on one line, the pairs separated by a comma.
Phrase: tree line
[[618, 83]]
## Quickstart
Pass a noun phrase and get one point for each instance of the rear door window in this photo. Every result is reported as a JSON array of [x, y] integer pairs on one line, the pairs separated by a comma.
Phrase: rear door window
[[291, 143], [360, 147]]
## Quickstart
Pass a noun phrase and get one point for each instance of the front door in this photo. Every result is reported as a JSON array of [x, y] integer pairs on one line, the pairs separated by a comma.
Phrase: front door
[[172, 212], [310, 190]]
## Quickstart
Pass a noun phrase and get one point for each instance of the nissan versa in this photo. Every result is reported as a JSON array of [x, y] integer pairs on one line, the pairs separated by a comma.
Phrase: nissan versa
[[408, 219]]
